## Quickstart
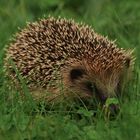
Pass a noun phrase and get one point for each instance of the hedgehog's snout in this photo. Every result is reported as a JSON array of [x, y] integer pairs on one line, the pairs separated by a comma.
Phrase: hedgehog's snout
[[103, 98]]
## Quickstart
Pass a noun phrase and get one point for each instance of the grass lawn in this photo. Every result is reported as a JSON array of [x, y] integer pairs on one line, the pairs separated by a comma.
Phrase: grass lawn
[[117, 19]]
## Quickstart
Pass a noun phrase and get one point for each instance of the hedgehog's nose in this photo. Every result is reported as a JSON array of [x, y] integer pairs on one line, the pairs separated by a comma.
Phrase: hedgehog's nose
[[103, 98]]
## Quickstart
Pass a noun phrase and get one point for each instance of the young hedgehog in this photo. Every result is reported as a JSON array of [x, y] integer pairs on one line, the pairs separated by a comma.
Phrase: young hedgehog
[[58, 54]]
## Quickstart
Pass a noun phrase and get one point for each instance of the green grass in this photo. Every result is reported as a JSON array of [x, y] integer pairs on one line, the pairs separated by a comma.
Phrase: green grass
[[118, 19]]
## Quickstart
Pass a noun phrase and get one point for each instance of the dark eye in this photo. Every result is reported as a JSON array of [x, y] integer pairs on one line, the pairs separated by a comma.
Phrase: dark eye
[[76, 74], [90, 86], [94, 90]]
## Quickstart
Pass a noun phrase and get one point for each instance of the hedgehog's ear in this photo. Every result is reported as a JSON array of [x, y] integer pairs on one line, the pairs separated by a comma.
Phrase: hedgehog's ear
[[129, 58], [127, 62], [76, 73]]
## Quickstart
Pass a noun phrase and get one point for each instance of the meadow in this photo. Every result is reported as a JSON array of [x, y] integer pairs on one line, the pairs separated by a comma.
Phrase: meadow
[[26, 120]]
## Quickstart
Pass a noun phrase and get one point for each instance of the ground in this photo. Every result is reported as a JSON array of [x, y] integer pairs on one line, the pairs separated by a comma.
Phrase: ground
[[117, 19]]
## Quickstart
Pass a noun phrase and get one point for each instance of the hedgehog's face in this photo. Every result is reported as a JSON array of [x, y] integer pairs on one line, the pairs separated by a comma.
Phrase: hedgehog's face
[[89, 84], [92, 85]]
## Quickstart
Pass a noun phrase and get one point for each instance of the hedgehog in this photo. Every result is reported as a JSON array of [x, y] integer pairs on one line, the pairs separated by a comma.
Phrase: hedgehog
[[67, 59]]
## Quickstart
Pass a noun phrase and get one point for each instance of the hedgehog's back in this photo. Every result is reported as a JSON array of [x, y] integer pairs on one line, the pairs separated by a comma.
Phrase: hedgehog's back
[[44, 46]]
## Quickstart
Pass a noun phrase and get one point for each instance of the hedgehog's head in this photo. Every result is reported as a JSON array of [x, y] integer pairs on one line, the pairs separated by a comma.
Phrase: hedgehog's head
[[101, 77]]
